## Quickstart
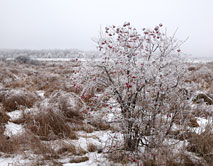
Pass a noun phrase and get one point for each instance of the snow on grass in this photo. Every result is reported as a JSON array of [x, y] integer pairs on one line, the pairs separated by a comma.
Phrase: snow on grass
[[15, 115], [102, 140], [14, 161], [99, 138], [95, 159], [13, 129], [202, 123], [41, 93]]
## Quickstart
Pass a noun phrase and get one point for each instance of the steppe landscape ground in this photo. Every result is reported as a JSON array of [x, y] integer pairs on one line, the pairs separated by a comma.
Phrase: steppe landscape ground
[[45, 120]]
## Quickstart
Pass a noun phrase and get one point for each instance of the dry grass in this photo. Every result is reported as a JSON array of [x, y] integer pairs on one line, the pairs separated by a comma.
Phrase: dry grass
[[20, 143], [165, 156], [80, 126], [79, 159], [61, 120], [4, 118], [2, 94], [49, 125], [91, 147], [201, 75], [39, 147], [202, 144], [70, 111], [13, 101], [16, 84], [45, 163], [28, 143], [67, 147], [154, 163], [118, 157], [8, 145], [100, 124], [193, 122], [47, 76], [81, 151]]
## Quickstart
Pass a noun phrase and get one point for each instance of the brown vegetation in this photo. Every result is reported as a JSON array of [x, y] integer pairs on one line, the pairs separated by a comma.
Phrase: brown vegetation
[[70, 148], [13, 100], [202, 144], [79, 159], [49, 125], [91, 147], [54, 117]]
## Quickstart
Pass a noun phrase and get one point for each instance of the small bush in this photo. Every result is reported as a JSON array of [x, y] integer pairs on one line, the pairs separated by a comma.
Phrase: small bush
[[22, 59], [27, 60]]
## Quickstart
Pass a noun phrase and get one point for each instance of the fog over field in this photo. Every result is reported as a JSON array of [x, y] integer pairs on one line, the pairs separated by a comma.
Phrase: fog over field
[[70, 24]]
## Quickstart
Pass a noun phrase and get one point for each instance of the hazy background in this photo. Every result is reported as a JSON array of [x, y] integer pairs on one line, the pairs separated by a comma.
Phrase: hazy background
[[71, 24]]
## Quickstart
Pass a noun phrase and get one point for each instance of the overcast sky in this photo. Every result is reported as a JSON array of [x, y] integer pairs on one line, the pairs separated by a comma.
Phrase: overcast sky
[[48, 24]]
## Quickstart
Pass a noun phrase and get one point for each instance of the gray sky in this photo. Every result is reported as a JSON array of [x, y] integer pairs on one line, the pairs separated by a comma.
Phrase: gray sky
[[47, 24]]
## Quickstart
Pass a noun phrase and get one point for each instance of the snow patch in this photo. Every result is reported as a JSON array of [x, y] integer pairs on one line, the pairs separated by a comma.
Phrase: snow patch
[[41, 94], [15, 115], [13, 129], [202, 123]]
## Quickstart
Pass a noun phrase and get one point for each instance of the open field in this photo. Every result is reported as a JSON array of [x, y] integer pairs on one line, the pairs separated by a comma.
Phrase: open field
[[47, 118]]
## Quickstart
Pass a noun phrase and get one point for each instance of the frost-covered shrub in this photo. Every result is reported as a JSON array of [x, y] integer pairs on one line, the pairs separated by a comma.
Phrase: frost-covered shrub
[[144, 72], [23, 59], [27, 60]]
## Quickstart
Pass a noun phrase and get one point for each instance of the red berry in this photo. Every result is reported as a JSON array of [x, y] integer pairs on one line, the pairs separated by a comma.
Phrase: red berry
[[133, 160], [128, 85], [156, 28]]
